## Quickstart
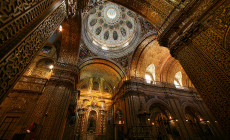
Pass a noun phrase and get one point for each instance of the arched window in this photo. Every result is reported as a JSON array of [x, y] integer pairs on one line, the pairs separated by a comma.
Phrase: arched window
[[148, 78], [92, 119], [43, 68], [178, 79], [150, 73], [151, 69], [163, 126]]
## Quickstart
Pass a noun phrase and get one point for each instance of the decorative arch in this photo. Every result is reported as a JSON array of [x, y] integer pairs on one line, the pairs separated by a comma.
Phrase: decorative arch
[[170, 68], [158, 102], [178, 79], [195, 107], [162, 120], [43, 68], [150, 70], [110, 71], [196, 122], [148, 52], [155, 11], [106, 61]]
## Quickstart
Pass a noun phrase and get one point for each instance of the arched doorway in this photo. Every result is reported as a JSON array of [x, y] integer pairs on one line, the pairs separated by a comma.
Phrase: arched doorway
[[197, 124], [163, 125]]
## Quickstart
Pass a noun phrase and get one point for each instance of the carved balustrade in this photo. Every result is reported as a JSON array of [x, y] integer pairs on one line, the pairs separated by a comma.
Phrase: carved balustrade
[[140, 84]]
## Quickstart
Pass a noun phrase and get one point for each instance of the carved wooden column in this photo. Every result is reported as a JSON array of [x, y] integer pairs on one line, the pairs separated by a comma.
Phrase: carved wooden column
[[203, 50], [51, 110], [27, 27]]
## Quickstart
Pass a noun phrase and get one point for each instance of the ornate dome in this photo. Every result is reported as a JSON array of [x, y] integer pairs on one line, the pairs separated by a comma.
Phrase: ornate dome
[[111, 30]]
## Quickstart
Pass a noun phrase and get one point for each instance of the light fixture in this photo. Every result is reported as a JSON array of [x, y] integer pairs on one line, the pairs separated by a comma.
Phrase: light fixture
[[177, 120], [186, 120], [170, 117], [28, 131], [201, 119], [60, 28], [51, 67], [207, 121], [152, 123], [148, 119]]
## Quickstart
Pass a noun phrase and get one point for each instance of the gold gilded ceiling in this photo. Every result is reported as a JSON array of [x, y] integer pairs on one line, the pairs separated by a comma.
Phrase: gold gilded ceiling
[[149, 53], [100, 73], [110, 30], [155, 11]]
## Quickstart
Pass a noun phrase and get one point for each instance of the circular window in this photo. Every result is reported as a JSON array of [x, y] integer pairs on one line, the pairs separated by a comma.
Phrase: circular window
[[111, 13]]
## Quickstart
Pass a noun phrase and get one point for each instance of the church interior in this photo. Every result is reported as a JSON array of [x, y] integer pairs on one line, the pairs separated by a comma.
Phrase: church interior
[[115, 69]]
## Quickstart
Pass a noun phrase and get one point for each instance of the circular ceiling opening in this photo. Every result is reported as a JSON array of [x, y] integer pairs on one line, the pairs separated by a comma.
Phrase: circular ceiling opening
[[111, 13], [111, 30]]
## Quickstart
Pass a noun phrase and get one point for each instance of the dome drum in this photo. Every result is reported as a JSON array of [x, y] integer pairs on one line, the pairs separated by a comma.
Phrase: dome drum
[[111, 30]]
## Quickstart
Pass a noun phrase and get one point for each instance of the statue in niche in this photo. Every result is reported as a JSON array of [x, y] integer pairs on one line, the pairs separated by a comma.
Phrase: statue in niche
[[95, 86], [92, 122]]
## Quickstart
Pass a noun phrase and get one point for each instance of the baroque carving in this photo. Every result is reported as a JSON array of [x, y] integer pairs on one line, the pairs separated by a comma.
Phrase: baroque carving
[[14, 64], [16, 14], [149, 97]]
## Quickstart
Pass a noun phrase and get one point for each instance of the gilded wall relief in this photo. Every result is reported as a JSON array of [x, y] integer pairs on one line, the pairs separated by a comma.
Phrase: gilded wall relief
[[14, 64], [17, 14]]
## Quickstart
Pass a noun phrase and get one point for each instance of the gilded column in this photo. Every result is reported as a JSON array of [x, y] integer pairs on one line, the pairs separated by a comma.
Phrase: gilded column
[[24, 33], [202, 47], [51, 109]]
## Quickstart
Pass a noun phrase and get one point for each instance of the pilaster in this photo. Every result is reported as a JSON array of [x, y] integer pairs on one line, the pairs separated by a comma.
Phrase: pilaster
[[202, 48], [24, 47], [51, 110], [180, 120]]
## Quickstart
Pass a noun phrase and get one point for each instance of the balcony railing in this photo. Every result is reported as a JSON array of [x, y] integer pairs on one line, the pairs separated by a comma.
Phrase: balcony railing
[[140, 80]]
